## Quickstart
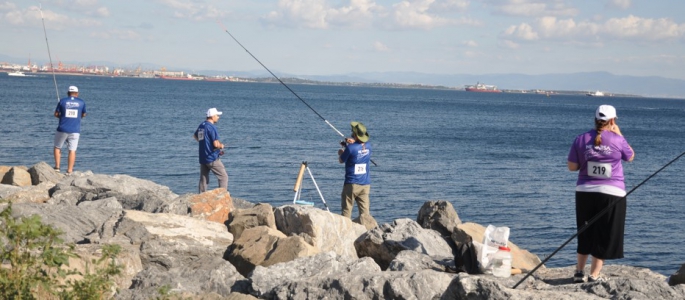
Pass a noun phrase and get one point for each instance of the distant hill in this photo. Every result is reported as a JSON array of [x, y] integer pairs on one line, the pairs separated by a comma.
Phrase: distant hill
[[648, 86]]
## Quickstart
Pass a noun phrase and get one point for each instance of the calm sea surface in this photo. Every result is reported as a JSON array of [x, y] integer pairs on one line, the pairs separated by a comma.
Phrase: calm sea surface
[[498, 158]]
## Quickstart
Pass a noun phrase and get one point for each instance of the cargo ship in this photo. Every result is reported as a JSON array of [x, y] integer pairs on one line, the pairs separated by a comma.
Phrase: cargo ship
[[482, 88], [187, 77]]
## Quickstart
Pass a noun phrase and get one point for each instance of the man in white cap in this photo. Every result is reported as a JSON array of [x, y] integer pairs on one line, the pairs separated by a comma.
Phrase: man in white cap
[[70, 111], [210, 150]]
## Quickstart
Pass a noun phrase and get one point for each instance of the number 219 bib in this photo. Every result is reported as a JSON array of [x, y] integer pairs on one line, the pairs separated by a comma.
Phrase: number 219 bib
[[601, 170]]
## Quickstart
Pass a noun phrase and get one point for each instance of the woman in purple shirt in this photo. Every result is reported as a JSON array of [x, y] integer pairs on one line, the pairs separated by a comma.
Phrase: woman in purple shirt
[[597, 155]]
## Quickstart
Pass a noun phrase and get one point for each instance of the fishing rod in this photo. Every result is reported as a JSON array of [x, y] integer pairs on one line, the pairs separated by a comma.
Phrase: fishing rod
[[52, 67], [594, 219], [285, 85]]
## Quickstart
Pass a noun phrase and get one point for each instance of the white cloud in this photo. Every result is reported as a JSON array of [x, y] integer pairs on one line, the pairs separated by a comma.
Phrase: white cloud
[[620, 4], [380, 47], [531, 8], [405, 14], [31, 17], [319, 15], [117, 34], [568, 30], [470, 43], [508, 44], [193, 10]]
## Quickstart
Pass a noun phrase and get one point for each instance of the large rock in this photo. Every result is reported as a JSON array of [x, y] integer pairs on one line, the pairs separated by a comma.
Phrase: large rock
[[313, 268], [264, 246], [131, 192], [322, 229], [214, 205], [128, 259], [31, 194], [17, 176], [439, 216], [624, 282], [383, 243], [168, 240], [521, 259], [7, 190], [42, 172], [409, 260], [199, 276], [261, 214], [79, 224], [678, 277]]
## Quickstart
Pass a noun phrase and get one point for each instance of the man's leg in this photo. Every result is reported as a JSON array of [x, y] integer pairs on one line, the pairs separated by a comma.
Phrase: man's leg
[[220, 171], [71, 160], [347, 200], [58, 154], [204, 178], [361, 193], [72, 142]]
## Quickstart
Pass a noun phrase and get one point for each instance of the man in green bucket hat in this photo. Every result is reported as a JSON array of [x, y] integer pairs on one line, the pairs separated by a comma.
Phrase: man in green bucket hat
[[356, 156]]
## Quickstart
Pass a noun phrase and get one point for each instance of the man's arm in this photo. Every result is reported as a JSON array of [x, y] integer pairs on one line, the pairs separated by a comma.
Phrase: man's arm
[[573, 166]]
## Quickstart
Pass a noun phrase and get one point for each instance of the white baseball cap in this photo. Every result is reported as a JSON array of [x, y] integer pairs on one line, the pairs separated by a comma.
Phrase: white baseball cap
[[605, 112], [213, 112], [73, 89]]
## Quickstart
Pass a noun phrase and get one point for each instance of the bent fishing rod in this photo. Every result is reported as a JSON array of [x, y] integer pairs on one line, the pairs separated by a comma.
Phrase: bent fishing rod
[[52, 67], [594, 219], [285, 85]]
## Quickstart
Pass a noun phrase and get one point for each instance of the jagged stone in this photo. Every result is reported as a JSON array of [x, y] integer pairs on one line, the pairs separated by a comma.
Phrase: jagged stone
[[31, 194], [261, 214], [131, 192], [383, 243], [322, 265], [264, 246], [439, 216], [77, 223], [678, 277], [214, 205], [168, 240], [409, 260], [367, 221], [17, 176], [324, 230], [42, 172]]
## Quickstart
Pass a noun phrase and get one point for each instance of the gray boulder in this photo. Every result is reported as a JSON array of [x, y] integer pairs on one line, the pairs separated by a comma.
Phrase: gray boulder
[[439, 216], [322, 229], [131, 192], [383, 243], [79, 224], [308, 269], [409, 260], [42, 172]]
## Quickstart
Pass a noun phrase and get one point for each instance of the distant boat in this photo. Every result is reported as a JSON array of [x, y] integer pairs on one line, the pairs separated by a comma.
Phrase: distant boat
[[482, 88], [595, 94], [187, 77], [16, 73]]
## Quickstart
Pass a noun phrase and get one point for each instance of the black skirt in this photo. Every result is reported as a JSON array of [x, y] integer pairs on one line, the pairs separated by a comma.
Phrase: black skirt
[[604, 238]]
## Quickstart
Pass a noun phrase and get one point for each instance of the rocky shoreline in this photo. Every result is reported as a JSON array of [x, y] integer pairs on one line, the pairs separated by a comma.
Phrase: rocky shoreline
[[211, 246]]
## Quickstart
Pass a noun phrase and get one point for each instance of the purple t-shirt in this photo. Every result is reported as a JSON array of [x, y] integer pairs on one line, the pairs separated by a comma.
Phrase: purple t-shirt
[[600, 165]]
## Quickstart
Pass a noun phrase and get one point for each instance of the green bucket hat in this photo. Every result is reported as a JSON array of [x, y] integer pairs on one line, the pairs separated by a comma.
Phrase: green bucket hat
[[360, 131]]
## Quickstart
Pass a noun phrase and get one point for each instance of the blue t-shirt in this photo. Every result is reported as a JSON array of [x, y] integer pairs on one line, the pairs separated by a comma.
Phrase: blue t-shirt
[[70, 111], [357, 157], [206, 134]]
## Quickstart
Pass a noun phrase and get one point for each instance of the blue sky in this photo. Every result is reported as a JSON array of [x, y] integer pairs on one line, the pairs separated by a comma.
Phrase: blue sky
[[327, 37]]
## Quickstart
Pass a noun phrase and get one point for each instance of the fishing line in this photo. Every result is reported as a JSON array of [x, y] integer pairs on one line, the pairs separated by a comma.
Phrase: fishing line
[[594, 219], [283, 83], [52, 67]]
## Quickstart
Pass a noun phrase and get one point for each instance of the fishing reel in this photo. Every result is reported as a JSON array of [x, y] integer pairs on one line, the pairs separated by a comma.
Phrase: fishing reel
[[343, 143]]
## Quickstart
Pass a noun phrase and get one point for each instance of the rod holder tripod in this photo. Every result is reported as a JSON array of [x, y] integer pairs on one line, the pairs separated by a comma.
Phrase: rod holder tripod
[[298, 187]]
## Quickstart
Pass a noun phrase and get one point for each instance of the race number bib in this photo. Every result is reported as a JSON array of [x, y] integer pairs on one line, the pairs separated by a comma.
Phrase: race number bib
[[200, 134], [601, 170], [359, 169], [71, 113]]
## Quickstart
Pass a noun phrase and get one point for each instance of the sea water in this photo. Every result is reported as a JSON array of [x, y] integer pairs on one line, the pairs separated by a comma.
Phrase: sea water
[[500, 159]]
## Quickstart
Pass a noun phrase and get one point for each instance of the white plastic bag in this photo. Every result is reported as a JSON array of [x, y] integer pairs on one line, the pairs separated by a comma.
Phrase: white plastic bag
[[493, 238]]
